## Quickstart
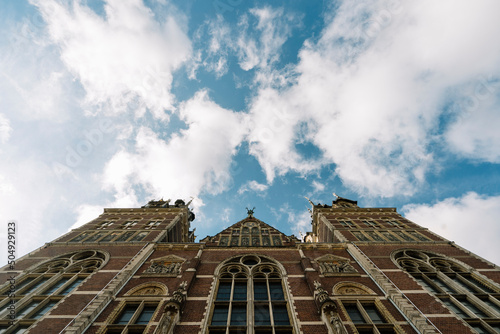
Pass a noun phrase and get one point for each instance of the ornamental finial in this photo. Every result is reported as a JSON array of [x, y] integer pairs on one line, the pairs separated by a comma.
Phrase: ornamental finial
[[250, 211]]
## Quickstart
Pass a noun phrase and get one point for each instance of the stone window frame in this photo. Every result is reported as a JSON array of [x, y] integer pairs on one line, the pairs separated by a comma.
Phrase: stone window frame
[[95, 237], [90, 236], [346, 223], [76, 265], [249, 273], [154, 223], [145, 294], [129, 223], [418, 236], [361, 305], [353, 293], [459, 287], [106, 223], [393, 222], [81, 236], [140, 304], [139, 236], [393, 236], [369, 222], [130, 238]]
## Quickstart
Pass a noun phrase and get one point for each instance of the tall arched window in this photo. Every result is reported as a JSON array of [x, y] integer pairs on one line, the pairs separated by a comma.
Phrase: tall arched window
[[137, 310], [363, 310], [471, 297], [42, 287], [250, 297]]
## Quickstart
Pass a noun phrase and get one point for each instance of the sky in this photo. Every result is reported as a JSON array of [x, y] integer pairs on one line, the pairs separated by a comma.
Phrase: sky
[[238, 104]]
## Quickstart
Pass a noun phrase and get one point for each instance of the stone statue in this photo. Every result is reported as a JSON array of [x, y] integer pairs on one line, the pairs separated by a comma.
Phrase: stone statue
[[250, 211], [336, 324]]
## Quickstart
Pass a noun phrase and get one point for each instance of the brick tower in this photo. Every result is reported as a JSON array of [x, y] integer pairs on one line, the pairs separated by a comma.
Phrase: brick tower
[[360, 270]]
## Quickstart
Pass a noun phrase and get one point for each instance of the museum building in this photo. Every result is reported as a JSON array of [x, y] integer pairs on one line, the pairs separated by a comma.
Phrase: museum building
[[359, 270]]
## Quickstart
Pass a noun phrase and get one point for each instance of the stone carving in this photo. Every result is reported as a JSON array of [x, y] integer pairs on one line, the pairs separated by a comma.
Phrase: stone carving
[[168, 265], [351, 288], [328, 308], [179, 295], [167, 323], [173, 309], [151, 290], [330, 265], [158, 268], [320, 294], [335, 325], [250, 212]]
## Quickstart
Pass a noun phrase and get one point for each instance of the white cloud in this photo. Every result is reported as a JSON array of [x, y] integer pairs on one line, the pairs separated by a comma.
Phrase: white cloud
[[475, 134], [215, 57], [372, 90], [299, 223], [27, 194], [253, 186], [124, 60], [273, 27], [226, 213], [194, 161], [272, 140], [87, 212], [317, 186], [5, 129], [34, 84], [257, 43], [471, 221]]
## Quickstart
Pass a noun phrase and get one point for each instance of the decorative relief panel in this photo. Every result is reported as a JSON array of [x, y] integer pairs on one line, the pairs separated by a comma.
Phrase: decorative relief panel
[[148, 289], [169, 265], [330, 265], [352, 288]]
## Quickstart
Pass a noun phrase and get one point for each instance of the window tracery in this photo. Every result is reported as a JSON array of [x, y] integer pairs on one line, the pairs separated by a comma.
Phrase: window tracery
[[43, 286], [471, 297], [250, 295], [137, 310], [364, 310]]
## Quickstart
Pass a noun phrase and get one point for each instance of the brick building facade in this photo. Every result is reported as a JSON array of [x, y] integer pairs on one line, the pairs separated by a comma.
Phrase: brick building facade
[[360, 270]]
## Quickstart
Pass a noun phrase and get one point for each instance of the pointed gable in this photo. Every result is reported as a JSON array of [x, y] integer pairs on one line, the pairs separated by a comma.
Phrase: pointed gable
[[250, 232]]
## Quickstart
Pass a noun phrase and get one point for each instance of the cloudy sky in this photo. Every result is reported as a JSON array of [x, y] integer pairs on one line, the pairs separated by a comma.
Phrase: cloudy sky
[[237, 104]]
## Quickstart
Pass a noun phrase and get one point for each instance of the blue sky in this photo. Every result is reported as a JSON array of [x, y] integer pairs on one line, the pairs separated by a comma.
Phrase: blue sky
[[241, 104]]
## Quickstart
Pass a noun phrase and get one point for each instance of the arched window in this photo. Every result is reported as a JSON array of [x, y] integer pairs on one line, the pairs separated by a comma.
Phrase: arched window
[[363, 309], [470, 296], [250, 297], [38, 291], [137, 310]]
